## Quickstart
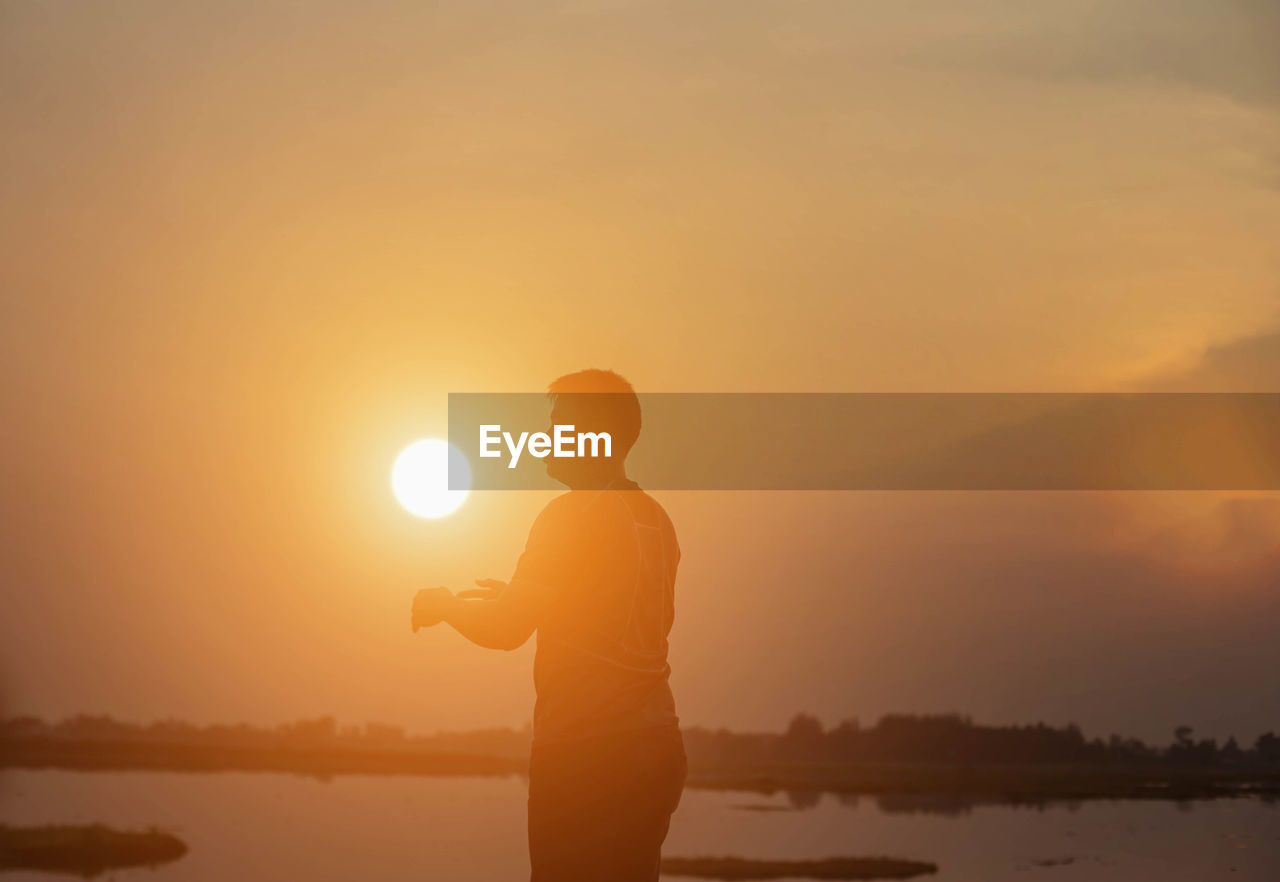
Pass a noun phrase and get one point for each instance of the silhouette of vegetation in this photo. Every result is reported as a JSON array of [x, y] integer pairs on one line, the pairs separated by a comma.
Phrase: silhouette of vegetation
[[947, 764], [321, 733], [827, 868], [85, 851], [318, 746], [956, 739], [937, 764]]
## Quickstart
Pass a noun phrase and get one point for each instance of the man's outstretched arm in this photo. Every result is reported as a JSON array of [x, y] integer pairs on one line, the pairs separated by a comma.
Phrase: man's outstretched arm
[[503, 617]]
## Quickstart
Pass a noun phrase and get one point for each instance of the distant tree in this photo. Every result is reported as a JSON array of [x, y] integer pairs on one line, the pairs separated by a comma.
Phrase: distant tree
[[381, 733], [804, 726], [171, 729], [1185, 749], [94, 727], [321, 730], [1267, 747], [23, 727], [848, 727], [1121, 749], [804, 737], [932, 738], [845, 739]]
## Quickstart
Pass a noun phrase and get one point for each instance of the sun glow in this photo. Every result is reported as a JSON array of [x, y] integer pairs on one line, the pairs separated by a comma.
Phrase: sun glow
[[420, 478]]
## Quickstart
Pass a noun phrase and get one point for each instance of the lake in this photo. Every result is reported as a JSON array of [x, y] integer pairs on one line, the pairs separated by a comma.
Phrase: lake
[[278, 826]]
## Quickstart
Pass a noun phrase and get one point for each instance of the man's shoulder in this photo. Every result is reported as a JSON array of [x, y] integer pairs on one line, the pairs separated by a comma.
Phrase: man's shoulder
[[565, 505], [563, 512], [602, 509]]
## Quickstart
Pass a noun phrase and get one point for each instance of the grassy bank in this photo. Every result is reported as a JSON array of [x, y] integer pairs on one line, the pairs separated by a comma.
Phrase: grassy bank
[[990, 782], [85, 851]]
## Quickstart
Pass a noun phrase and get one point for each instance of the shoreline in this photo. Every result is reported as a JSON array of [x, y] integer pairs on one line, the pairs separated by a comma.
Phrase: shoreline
[[1006, 783]]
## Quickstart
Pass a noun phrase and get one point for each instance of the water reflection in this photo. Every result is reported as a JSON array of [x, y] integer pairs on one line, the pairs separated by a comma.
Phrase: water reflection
[[260, 825], [952, 805]]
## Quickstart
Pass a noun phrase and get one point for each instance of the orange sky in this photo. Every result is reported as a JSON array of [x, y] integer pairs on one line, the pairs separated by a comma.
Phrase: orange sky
[[250, 249]]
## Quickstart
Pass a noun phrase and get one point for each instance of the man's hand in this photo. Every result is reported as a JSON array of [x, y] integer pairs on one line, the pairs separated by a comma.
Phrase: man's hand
[[430, 606], [490, 589]]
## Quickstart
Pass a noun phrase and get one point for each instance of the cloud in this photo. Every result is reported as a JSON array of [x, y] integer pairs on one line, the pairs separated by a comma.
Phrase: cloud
[[1246, 364], [1228, 48]]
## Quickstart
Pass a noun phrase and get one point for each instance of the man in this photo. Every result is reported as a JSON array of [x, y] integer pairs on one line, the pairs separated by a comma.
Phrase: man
[[596, 581]]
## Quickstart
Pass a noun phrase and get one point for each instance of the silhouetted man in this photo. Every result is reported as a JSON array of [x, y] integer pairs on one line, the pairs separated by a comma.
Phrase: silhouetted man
[[596, 581]]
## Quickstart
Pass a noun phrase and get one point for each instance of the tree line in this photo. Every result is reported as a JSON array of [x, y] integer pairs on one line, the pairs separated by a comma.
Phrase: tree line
[[895, 738], [957, 739]]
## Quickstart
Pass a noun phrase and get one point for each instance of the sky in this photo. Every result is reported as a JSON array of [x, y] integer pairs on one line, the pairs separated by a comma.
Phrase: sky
[[249, 248]]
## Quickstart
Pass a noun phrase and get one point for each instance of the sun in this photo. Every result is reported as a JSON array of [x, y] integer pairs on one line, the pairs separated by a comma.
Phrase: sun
[[420, 478]]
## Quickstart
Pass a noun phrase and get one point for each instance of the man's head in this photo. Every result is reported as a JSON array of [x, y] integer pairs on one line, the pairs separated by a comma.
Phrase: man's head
[[594, 401]]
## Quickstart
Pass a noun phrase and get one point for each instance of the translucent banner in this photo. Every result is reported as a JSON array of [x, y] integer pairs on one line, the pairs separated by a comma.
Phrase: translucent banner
[[870, 441]]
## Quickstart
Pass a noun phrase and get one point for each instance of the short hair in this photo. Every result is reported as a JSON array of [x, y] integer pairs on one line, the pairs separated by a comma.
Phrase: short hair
[[613, 404]]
